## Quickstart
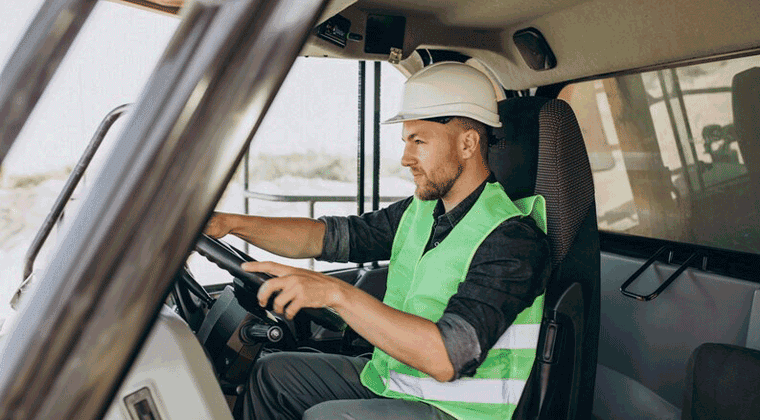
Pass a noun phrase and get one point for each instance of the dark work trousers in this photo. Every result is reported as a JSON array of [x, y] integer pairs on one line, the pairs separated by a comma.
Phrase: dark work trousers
[[318, 386]]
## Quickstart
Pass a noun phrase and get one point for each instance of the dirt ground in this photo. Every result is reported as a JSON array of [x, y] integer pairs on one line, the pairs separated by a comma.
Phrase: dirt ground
[[24, 203]]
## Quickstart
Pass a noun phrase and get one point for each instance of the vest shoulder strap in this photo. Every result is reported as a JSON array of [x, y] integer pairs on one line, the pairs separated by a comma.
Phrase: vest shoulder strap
[[535, 207]]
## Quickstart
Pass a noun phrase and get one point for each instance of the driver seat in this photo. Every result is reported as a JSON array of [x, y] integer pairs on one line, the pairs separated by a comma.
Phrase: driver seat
[[541, 151]]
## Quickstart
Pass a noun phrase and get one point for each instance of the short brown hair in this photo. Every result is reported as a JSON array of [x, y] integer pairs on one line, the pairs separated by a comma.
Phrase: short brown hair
[[480, 128]]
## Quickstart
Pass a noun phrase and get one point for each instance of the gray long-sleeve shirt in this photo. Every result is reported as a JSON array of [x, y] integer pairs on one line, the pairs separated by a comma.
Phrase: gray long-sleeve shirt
[[508, 271]]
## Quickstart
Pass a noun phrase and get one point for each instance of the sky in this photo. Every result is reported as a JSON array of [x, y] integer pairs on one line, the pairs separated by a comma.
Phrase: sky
[[106, 66]]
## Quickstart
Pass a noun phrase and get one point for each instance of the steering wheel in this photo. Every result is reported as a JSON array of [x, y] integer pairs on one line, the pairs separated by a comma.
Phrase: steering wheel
[[191, 311], [229, 258]]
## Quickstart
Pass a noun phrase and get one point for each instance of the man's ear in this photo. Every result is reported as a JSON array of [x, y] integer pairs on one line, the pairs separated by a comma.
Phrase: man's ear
[[469, 143]]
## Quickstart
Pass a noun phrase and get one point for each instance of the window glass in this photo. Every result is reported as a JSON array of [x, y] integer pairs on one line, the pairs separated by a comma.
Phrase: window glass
[[674, 152], [395, 180], [106, 66]]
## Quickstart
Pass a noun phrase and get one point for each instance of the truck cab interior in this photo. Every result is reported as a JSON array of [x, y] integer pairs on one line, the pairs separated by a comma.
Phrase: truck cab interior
[[637, 121]]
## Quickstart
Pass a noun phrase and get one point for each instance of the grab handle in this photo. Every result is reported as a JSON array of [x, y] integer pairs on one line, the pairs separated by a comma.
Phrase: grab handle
[[68, 188], [663, 286]]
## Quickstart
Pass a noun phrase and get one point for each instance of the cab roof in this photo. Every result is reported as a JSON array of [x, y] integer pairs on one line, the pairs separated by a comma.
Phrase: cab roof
[[588, 37]]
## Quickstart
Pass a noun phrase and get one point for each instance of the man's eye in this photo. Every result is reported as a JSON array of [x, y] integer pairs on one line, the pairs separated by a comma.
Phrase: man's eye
[[418, 142]]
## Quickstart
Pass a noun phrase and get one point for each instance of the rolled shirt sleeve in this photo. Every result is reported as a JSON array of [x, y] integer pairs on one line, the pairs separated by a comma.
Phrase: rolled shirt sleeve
[[364, 238], [461, 342], [336, 240]]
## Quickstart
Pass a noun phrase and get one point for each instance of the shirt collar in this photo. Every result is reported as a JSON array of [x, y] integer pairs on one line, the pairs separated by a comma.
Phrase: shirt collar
[[457, 213]]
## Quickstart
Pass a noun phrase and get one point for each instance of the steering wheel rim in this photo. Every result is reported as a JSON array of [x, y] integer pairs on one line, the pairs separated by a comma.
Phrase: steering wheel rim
[[190, 310], [229, 258]]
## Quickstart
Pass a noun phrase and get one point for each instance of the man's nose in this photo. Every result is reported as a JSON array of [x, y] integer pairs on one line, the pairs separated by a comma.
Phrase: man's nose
[[407, 159]]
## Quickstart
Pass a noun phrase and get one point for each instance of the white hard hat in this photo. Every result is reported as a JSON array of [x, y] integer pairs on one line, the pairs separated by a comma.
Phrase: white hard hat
[[449, 89]]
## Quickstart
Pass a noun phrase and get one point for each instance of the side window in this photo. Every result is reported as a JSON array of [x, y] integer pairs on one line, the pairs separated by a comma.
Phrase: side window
[[674, 152], [107, 65], [303, 159]]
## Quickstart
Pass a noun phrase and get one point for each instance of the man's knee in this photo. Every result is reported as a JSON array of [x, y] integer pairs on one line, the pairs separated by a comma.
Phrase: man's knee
[[270, 371], [295, 382], [328, 410], [271, 388], [271, 364]]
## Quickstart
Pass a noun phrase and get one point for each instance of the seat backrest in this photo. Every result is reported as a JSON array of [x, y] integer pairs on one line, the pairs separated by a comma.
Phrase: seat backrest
[[721, 383], [745, 102], [542, 152]]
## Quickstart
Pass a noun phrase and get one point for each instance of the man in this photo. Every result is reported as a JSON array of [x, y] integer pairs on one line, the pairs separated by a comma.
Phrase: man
[[466, 264]]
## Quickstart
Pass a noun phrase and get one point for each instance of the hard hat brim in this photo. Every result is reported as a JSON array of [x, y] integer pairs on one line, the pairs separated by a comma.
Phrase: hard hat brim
[[449, 110]]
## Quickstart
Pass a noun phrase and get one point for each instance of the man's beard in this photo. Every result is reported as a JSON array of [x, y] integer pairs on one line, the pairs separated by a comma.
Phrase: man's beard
[[433, 190]]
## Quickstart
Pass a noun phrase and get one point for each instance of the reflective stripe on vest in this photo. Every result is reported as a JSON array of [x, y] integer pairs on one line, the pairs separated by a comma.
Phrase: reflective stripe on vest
[[519, 337], [483, 391], [421, 283]]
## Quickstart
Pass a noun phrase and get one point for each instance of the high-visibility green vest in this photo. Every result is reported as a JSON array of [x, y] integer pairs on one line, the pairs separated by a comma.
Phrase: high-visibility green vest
[[423, 284]]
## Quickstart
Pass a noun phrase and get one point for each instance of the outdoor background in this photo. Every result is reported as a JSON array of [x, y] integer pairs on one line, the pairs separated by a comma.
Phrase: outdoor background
[[306, 146], [678, 173]]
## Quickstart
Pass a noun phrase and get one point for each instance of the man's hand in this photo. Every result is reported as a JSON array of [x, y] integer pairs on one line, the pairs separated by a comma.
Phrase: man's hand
[[218, 226], [296, 288], [408, 338]]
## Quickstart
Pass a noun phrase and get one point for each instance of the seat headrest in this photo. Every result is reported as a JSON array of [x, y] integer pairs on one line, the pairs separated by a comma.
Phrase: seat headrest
[[514, 157]]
